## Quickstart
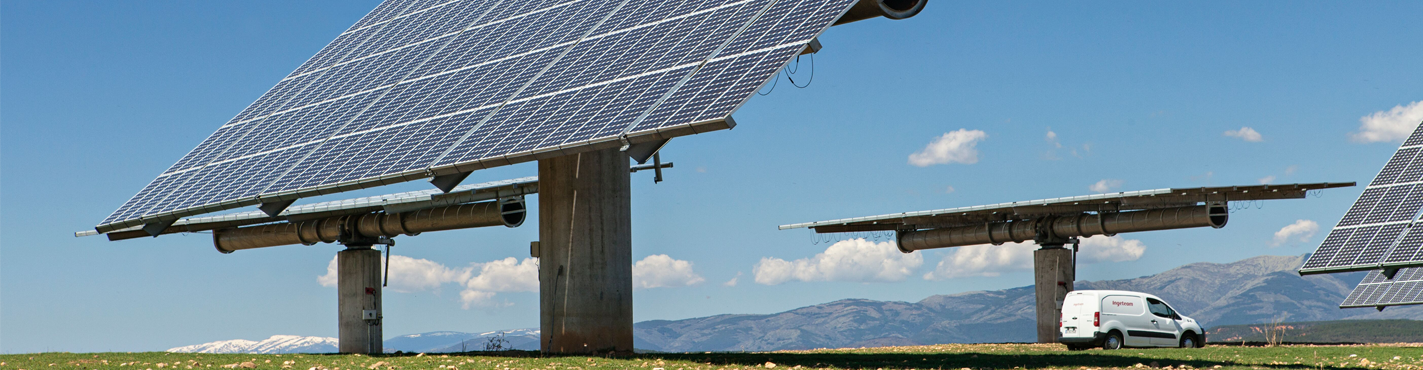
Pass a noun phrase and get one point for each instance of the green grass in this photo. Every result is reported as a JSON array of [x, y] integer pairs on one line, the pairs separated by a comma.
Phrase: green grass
[[948, 356], [1343, 331]]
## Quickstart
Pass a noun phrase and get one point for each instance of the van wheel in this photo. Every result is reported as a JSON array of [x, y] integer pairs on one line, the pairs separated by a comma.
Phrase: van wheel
[[1113, 341], [1189, 341]]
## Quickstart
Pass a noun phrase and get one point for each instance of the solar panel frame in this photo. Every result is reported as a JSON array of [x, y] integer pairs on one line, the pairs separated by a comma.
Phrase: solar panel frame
[[321, 89]]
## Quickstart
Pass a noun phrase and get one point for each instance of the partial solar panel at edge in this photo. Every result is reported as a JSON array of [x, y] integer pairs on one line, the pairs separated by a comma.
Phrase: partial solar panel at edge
[[1381, 229], [422, 88], [1377, 290]]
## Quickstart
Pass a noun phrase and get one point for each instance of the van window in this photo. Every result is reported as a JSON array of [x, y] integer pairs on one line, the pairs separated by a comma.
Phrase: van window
[[1123, 305], [1159, 309]]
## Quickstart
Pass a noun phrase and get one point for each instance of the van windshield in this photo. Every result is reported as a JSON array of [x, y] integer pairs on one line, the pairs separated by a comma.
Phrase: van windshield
[[1159, 308]]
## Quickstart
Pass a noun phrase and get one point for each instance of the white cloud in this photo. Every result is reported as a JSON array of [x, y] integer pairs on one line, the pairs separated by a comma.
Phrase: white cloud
[[406, 274], [1267, 179], [1390, 125], [1247, 134], [991, 260], [661, 271], [855, 260], [506, 275], [1291, 169], [984, 260], [414, 274], [732, 282], [952, 147], [1109, 249], [1105, 186], [1052, 139], [949, 190], [1300, 231]]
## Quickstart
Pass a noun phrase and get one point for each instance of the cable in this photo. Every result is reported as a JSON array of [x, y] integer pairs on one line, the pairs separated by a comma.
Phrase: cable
[[812, 72], [774, 81]]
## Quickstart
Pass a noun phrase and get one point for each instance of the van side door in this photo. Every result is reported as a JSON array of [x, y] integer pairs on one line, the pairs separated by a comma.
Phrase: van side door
[[1165, 332], [1127, 313]]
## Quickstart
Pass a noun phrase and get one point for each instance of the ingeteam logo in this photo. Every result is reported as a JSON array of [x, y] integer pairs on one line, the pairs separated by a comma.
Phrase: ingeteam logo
[[1120, 303]]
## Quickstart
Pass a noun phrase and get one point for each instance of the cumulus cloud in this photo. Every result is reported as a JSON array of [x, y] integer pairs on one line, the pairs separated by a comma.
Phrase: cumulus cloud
[[732, 282], [1300, 231], [480, 281], [406, 274], [855, 260], [1099, 249], [660, 271], [506, 275], [984, 260], [1105, 186], [1390, 125], [1246, 133], [990, 260], [1267, 179], [952, 147]]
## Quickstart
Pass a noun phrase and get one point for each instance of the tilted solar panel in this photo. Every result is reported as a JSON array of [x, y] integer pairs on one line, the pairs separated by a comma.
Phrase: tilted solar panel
[[1377, 290], [422, 88], [1381, 229]]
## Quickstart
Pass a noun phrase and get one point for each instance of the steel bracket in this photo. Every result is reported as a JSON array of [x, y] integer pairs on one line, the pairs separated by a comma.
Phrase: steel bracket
[[446, 183]]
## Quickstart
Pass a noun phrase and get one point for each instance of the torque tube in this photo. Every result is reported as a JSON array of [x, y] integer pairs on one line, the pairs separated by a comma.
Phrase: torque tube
[[892, 9], [1082, 225], [508, 212]]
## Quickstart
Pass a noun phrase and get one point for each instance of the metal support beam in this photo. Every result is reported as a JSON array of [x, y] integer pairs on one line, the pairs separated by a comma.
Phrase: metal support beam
[[585, 253]]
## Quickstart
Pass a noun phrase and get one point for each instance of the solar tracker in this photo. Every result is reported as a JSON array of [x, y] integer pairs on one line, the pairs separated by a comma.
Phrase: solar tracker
[[1378, 290], [430, 88], [1381, 229], [1111, 202]]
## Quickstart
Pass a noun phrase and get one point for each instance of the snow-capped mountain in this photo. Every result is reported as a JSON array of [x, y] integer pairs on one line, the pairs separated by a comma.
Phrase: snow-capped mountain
[[453, 341], [275, 344]]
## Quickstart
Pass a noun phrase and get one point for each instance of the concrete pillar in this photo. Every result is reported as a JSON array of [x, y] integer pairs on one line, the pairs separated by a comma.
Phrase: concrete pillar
[[585, 253], [358, 291], [1052, 276]]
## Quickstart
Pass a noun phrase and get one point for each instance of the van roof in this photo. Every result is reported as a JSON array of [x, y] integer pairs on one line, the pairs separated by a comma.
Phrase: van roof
[[1111, 292]]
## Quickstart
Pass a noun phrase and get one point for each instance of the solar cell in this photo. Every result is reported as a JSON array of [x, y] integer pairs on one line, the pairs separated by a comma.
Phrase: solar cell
[[1377, 290], [417, 88], [1392, 201]]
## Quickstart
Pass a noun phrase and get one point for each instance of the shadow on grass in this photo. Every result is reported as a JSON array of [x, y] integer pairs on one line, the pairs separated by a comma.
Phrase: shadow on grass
[[1120, 359]]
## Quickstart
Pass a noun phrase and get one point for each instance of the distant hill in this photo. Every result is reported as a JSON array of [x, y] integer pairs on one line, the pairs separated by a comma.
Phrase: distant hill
[[1347, 331], [1253, 290]]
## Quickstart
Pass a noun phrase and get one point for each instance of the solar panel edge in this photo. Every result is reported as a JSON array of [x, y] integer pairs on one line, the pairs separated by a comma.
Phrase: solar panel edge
[[762, 84], [705, 61]]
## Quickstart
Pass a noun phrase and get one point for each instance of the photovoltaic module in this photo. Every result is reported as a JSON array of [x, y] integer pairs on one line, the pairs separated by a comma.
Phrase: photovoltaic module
[[423, 88]]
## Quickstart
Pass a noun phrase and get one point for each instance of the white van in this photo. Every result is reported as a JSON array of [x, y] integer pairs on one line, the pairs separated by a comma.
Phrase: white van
[[1114, 319]]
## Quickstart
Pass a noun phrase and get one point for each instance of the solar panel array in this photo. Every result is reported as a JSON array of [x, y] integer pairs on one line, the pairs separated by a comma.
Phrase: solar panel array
[[417, 86], [1377, 290], [1381, 228]]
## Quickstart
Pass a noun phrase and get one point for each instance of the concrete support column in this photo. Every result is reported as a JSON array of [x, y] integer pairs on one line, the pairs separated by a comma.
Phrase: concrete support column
[[585, 253], [358, 292], [1052, 276]]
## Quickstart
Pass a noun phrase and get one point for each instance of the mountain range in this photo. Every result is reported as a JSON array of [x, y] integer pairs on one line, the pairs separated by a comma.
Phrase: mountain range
[[1254, 290]]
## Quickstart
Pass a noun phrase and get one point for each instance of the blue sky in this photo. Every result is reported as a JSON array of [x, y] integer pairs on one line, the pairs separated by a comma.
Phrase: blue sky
[[99, 97]]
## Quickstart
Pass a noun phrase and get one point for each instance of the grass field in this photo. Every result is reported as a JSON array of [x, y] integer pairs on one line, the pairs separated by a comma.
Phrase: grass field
[[948, 356]]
